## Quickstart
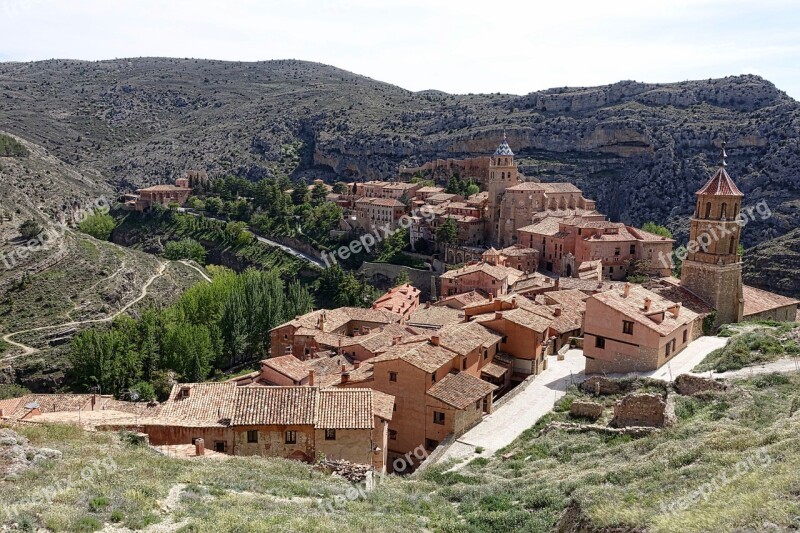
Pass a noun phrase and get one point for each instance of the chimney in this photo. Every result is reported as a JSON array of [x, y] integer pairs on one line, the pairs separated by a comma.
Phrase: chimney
[[626, 291], [557, 311], [647, 303], [498, 315], [498, 305], [675, 310], [94, 401], [311, 378], [557, 283], [514, 302], [491, 296], [345, 375], [321, 321], [199, 447], [356, 364], [435, 340], [427, 305], [396, 340]]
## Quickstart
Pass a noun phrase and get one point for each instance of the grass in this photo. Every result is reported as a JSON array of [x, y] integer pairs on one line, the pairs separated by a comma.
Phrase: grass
[[746, 434], [752, 344], [10, 147]]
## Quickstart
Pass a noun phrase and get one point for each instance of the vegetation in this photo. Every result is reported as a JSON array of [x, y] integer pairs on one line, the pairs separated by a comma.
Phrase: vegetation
[[656, 229], [337, 288], [212, 326], [10, 147], [12, 390], [463, 188], [99, 225], [754, 345], [447, 233], [185, 249], [729, 464], [30, 229]]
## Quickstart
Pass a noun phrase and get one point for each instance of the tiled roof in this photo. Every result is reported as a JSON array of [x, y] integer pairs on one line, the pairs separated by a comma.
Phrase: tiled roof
[[163, 188], [288, 365], [494, 370], [572, 298], [720, 184], [436, 316], [463, 299], [51, 403], [757, 301], [376, 340], [465, 337], [588, 285], [548, 226], [382, 404], [504, 148], [495, 271], [208, 404], [632, 306], [266, 406], [345, 409], [518, 251], [522, 317], [460, 390], [422, 355], [646, 236], [336, 318], [430, 190], [387, 202]]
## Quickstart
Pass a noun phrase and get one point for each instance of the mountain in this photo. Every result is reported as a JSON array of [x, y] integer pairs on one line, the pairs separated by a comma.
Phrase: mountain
[[640, 149]]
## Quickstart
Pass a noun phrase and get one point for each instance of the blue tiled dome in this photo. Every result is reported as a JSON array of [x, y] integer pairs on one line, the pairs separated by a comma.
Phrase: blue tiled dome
[[504, 148]]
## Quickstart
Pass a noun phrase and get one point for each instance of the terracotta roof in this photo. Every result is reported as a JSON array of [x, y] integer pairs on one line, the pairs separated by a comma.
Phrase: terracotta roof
[[632, 306], [522, 317], [379, 339], [460, 390], [163, 188], [387, 202], [208, 404], [266, 406], [559, 187], [548, 226], [572, 298], [495, 271], [382, 404], [430, 190], [465, 337], [346, 409], [589, 286], [398, 299], [757, 301], [435, 316], [463, 299], [518, 251], [720, 184], [494, 370], [288, 365], [422, 355], [51, 403], [336, 318]]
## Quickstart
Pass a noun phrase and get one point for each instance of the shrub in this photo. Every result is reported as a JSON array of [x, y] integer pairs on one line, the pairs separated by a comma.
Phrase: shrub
[[10, 147], [98, 504], [99, 225], [185, 249], [30, 229]]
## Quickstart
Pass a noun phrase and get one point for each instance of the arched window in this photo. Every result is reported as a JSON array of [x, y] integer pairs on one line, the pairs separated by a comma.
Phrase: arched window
[[502, 175], [724, 213], [730, 246], [708, 210], [735, 211]]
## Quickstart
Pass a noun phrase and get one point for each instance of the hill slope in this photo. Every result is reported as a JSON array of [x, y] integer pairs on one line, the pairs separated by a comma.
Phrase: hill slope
[[640, 149]]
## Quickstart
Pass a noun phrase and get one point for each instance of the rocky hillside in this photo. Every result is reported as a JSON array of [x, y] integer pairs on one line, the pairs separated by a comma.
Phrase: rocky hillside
[[640, 149], [775, 264]]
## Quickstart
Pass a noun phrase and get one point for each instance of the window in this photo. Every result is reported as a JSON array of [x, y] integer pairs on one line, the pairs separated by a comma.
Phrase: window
[[667, 349], [708, 210], [478, 404], [485, 353], [616, 250], [394, 407], [685, 335], [433, 378], [392, 376], [633, 249], [438, 418], [431, 444], [252, 436], [464, 364], [330, 434], [610, 270], [291, 437], [627, 327], [600, 342], [392, 434]]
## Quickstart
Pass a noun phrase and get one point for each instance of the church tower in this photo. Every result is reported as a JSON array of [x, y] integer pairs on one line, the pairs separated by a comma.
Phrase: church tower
[[503, 173], [713, 267]]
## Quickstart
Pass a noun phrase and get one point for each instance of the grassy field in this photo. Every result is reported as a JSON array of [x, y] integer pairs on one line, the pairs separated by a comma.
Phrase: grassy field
[[729, 464], [752, 344]]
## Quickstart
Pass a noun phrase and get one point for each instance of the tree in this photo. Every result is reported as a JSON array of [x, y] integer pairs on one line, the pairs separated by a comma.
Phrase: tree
[[470, 188], [340, 187], [453, 186], [656, 229], [30, 229], [402, 278], [185, 249], [393, 246], [300, 192], [447, 233], [318, 194], [214, 205], [99, 225]]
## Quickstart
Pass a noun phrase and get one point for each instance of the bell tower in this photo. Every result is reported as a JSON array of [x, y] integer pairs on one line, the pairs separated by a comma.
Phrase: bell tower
[[713, 267], [503, 174]]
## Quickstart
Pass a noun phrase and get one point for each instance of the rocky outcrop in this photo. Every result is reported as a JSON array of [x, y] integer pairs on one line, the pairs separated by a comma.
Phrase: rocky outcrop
[[17, 454]]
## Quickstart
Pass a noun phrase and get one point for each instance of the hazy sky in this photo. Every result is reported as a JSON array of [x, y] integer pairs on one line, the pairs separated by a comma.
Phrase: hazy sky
[[455, 46]]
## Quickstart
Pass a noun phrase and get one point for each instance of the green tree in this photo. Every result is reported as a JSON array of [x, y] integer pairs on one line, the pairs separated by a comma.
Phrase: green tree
[[402, 278], [656, 229], [393, 246], [318, 194], [340, 187], [185, 249], [453, 186], [30, 229], [99, 225], [300, 192], [447, 233], [470, 188], [214, 206]]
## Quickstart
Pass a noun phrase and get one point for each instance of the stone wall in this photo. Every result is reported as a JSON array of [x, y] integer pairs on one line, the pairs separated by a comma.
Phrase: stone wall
[[386, 273], [647, 410], [689, 385], [590, 410]]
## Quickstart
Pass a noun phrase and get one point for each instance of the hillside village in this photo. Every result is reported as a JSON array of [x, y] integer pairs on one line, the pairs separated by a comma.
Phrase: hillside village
[[533, 286]]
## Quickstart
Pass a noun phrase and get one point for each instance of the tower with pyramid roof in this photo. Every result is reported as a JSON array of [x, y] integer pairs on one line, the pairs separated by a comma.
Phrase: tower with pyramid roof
[[503, 174], [713, 267]]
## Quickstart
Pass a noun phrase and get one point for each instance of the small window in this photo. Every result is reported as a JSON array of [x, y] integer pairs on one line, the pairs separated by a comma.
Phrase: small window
[[285, 337], [291, 437], [478, 404], [616, 251], [394, 407], [431, 444], [438, 418], [433, 378], [464, 364], [633, 249], [252, 436], [392, 434], [392, 376], [685, 335], [485, 353], [627, 327], [330, 434], [600, 342]]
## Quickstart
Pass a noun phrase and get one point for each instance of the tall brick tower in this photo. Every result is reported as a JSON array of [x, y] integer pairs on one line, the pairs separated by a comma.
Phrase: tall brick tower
[[502, 174], [713, 268]]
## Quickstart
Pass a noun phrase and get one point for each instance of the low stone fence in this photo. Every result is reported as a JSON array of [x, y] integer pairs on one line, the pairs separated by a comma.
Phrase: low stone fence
[[633, 431], [424, 280]]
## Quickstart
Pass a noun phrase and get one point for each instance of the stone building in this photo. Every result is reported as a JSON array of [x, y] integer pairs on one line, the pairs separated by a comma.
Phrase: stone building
[[402, 300], [484, 277], [163, 195]]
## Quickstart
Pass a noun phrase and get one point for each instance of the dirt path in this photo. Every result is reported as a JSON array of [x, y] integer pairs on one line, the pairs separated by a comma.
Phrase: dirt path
[[199, 270], [28, 350]]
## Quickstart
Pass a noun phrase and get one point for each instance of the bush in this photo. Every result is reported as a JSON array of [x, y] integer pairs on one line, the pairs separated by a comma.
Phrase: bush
[[99, 225], [10, 147], [30, 229], [12, 390]]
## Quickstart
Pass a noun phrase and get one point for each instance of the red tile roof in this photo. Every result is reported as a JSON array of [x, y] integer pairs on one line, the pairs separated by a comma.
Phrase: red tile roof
[[757, 301], [267, 406], [346, 409], [460, 390], [207, 405], [288, 365], [720, 184]]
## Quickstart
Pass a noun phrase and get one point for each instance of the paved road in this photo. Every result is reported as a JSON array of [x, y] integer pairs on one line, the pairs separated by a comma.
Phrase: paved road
[[500, 428]]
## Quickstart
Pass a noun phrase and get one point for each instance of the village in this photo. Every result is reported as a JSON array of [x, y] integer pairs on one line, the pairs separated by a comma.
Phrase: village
[[532, 289]]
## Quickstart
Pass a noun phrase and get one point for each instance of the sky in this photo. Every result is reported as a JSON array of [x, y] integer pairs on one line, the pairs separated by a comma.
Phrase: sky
[[455, 46]]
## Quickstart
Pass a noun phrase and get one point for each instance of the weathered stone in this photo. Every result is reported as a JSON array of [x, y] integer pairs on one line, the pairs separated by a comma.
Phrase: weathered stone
[[601, 385], [649, 410], [689, 385], [586, 409]]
